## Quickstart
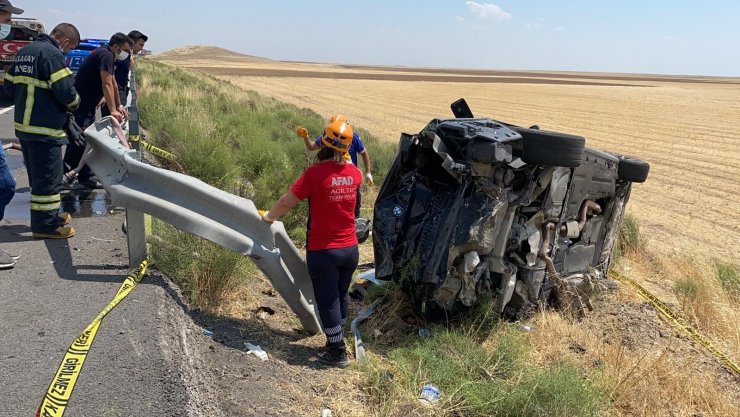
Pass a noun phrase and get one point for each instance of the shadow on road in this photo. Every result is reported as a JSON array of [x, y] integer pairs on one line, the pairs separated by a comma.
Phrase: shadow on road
[[61, 253]]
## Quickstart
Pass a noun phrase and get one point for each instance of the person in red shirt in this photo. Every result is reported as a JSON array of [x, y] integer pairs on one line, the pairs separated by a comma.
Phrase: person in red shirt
[[331, 186]]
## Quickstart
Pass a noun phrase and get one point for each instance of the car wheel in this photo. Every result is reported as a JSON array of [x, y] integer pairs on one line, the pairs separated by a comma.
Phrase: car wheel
[[551, 148], [632, 169]]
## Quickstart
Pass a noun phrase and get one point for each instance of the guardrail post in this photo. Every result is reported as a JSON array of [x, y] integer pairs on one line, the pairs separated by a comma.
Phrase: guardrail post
[[135, 224], [133, 116]]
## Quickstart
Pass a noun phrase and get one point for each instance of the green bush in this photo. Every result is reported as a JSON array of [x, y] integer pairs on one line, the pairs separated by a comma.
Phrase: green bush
[[686, 289], [728, 276], [205, 272], [629, 238]]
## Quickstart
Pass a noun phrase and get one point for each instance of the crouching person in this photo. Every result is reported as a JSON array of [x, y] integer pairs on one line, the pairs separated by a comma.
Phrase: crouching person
[[331, 186]]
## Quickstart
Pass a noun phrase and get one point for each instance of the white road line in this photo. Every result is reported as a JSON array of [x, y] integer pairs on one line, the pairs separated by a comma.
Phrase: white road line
[[7, 109]]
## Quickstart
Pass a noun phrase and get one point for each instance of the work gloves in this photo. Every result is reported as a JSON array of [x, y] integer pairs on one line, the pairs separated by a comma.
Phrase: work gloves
[[74, 132], [302, 132], [265, 217], [369, 179]]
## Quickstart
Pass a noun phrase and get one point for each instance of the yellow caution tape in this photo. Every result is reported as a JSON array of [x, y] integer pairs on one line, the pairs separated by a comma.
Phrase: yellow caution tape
[[678, 321], [240, 188], [58, 394], [157, 151]]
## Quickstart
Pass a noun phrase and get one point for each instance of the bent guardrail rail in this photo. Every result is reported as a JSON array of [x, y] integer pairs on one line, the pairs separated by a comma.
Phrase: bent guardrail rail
[[196, 207]]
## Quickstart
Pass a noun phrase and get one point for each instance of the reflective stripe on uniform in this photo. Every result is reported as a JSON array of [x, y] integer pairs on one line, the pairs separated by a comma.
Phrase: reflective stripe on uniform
[[30, 98], [38, 130], [74, 102], [64, 72], [46, 202], [46, 207], [45, 198], [24, 79]]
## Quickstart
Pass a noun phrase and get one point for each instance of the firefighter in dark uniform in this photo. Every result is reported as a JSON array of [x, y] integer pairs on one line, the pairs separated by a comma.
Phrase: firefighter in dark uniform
[[44, 90]]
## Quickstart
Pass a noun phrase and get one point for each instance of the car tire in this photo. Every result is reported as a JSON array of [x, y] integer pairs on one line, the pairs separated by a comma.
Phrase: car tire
[[632, 169], [551, 148]]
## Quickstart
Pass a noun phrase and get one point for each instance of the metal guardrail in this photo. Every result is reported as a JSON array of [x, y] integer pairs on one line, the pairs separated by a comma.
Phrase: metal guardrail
[[196, 207]]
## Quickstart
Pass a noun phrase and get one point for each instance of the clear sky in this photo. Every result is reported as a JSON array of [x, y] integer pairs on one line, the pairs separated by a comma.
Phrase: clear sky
[[641, 36]]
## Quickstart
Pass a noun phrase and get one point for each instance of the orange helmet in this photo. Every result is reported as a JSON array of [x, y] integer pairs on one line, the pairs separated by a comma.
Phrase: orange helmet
[[338, 134]]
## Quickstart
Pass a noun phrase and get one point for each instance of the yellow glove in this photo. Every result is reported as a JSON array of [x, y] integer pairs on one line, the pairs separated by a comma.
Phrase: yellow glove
[[369, 178], [265, 217], [302, 132]]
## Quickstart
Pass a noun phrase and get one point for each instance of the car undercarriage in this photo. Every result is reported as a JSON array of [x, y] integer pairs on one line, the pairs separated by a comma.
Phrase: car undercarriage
[[474, 207]]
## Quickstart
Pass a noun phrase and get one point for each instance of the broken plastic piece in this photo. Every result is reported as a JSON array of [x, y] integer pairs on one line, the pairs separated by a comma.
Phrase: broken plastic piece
[[354, 326], [526, 328], [256, 350], [370, 276], [207, 333]]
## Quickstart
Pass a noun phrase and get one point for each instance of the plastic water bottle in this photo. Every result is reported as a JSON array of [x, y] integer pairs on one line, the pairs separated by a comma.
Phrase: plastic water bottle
[[429, 394]]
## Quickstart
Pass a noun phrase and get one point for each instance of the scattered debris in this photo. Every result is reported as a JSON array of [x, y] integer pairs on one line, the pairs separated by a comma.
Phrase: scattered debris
[[256, 350], [576, 347], [526, 328], [425, 332], [429, 394], [358, 291], [326, 412], [365, 266], [364, 314], [263, 312], [270, 292], [369, 275], [207, 333]]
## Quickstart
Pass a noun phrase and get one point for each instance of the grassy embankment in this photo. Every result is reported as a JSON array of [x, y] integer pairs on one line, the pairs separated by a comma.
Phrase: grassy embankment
[[223, 134]]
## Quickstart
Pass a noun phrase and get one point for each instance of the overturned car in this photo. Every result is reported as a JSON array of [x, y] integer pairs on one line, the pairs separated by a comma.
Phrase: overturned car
[[474, 207]]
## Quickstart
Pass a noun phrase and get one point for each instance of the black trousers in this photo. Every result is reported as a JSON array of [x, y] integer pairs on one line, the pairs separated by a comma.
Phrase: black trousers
[[44, 167], [331, 273]]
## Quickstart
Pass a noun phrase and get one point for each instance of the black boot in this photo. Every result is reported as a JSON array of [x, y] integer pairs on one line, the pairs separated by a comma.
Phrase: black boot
[[334, 357]]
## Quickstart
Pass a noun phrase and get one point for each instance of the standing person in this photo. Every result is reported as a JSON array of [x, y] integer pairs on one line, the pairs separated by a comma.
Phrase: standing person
[[7, 182], [7, 190], [123, 66], [43, 89], [94, 81], [331, 186], [356, 147]]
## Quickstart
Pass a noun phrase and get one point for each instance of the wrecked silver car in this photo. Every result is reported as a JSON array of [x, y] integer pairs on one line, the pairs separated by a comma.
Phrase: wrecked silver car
[[474, 207]]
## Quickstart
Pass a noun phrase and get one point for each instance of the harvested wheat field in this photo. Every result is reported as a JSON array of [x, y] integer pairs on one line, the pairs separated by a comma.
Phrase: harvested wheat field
[[685, 127]]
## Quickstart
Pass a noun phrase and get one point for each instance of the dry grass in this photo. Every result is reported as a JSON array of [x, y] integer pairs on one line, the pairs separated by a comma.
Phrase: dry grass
[[648, 376]]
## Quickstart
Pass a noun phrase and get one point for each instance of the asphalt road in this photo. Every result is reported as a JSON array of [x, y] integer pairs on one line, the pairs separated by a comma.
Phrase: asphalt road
[[146, 357]]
